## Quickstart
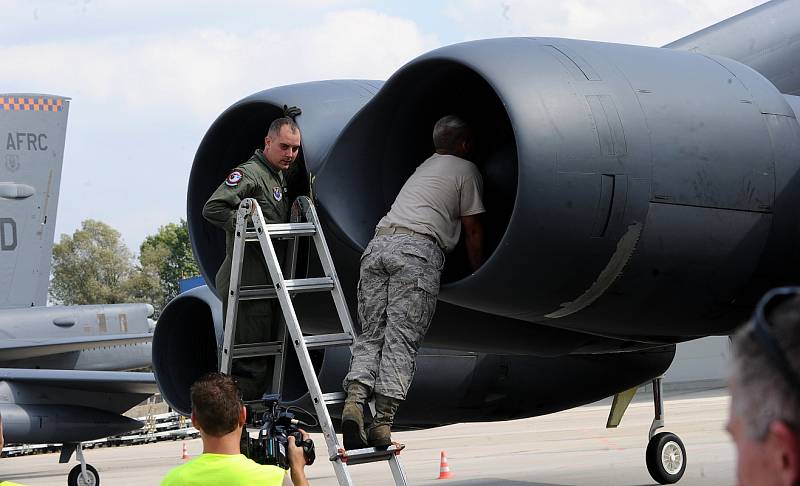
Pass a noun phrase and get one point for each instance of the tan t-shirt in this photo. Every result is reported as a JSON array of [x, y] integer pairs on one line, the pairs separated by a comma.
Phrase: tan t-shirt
[[433, 200]]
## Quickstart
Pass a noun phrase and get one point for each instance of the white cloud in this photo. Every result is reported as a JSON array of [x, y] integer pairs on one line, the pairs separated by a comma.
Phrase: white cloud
[[650, 22], [200, 72], [142, 101], [363, 44]]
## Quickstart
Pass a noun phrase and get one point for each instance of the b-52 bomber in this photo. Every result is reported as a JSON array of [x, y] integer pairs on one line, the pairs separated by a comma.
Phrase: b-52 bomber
[[636, 197]]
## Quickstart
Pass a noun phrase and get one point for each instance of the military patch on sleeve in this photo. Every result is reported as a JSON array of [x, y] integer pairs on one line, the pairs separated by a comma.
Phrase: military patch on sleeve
[[233, 178]]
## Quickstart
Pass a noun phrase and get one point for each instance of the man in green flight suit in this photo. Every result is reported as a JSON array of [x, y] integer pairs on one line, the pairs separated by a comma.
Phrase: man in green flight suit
[[261, 177]]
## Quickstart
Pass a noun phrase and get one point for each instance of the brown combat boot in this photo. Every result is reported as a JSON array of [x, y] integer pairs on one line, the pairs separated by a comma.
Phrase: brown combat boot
[[379, 434], [353, 416]]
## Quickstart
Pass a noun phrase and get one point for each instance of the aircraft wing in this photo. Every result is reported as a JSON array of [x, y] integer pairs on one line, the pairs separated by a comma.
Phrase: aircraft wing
[[25, 348], [67, 406], [98, 381]]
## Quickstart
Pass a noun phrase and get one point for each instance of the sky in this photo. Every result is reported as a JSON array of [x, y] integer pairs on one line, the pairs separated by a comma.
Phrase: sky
[[148, 77]]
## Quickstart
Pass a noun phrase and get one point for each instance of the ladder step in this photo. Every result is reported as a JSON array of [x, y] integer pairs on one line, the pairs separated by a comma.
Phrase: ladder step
[[254, 292], [325, 340], [333, 398], [309, 284], [285, 230], [296, 286], [252, 350], [370, 454]]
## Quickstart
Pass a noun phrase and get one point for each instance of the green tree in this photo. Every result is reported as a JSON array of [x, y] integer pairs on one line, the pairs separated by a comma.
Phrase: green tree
[[92, 266], [168, 254], [143, 285]]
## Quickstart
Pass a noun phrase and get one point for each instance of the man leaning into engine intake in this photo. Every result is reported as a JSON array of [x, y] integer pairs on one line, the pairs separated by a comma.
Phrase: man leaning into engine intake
[[399, 278]]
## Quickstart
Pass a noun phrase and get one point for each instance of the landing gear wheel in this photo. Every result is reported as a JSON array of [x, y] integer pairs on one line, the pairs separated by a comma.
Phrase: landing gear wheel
[[666, 458], [75, 478]]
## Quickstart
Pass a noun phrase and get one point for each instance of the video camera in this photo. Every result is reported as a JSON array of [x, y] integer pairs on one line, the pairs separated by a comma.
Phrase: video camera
[[275, 425]]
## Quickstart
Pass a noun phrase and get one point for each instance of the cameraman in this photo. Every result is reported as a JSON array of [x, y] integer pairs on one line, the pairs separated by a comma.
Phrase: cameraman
[[219, 414]]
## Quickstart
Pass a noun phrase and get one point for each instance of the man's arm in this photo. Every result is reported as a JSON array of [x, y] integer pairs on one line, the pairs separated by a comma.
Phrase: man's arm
[[297, 462], [220, 209], [473, 237]]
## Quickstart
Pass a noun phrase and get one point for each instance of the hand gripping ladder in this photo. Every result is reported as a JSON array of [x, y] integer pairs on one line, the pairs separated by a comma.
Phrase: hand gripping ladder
[[283, 289]]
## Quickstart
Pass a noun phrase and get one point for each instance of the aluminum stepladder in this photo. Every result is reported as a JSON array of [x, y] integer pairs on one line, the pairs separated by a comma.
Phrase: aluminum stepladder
[[283, 289]]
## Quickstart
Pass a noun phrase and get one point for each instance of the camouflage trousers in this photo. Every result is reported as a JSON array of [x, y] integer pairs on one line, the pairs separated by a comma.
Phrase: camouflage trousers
[[397, 292]]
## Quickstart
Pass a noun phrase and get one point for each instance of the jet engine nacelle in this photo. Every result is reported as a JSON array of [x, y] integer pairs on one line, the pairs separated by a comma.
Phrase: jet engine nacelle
[[448, 387], [631, 192], [634, 194]]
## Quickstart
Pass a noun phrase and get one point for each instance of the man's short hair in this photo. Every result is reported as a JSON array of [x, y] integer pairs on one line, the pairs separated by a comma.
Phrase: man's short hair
[[278, 123], [449, 132], [216, 403], [762, 394]]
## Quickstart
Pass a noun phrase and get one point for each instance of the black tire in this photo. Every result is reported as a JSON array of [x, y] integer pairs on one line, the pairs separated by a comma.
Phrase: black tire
[[94, 476], [666, 458]]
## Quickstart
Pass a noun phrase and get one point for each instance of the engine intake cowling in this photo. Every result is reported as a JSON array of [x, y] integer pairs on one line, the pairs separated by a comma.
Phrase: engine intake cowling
[[630, 191]]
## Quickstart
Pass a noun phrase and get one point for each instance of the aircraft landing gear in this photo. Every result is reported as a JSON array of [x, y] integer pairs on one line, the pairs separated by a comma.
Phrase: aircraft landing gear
[[666, 455], [83, 474], [90, 478]]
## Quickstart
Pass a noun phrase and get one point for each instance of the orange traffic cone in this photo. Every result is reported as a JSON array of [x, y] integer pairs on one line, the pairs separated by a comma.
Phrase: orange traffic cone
[[185, 452], [444, 469]]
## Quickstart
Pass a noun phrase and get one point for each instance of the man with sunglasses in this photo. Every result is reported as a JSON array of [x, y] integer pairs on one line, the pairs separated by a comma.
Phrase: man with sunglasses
[[765, 392]]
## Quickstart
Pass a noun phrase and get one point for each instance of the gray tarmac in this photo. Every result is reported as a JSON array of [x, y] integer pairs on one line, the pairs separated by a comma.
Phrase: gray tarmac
[[570, 448]]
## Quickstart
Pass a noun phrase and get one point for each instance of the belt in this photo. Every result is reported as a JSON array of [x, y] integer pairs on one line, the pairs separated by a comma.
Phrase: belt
[[399, 230]]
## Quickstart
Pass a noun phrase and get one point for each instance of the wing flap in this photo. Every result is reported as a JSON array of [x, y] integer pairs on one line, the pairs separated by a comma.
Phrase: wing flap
[[102, 381], [14, 349]]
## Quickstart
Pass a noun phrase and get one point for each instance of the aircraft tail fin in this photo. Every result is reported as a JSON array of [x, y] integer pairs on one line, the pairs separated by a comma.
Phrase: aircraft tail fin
[[32, 134]]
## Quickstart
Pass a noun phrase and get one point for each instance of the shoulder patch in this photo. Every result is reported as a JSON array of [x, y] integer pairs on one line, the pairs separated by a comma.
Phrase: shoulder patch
[[233, 178]]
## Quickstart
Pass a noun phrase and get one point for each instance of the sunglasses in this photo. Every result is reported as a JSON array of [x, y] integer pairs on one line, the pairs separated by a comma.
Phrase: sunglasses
[[762, 331]]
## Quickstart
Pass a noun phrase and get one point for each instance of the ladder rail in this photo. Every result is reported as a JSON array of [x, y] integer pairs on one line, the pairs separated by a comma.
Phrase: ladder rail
[[396, 467], [293, 326], [327, 265], [237, 259], [291, 270]]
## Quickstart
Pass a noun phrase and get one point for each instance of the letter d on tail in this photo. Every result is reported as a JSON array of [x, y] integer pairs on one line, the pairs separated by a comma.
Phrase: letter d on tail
[[8, 234]]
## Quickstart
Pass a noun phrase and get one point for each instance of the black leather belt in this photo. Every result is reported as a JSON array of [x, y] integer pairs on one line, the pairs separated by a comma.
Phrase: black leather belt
[[399, 230]]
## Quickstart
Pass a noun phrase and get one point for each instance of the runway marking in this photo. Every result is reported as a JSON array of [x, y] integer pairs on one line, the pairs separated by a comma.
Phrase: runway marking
[[603, 440]]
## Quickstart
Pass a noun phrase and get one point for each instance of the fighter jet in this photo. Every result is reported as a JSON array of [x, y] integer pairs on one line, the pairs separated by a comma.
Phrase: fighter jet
[[59, 378], [636, 197]]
